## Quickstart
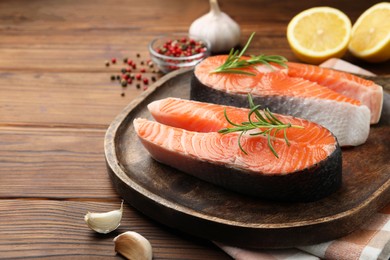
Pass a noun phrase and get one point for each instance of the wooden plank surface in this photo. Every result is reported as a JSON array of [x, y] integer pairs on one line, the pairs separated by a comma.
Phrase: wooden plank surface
[[80, 35], [57, 100], [87, 99], [54, 163], [55, 229]]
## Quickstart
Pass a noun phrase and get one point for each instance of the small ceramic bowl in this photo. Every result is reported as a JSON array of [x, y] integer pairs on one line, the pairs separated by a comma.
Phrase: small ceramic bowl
[[176, 51]]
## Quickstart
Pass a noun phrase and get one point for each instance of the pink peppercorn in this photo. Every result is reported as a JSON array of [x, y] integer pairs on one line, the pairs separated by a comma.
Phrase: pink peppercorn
[[138, 76], [146, 81], [182, 47]]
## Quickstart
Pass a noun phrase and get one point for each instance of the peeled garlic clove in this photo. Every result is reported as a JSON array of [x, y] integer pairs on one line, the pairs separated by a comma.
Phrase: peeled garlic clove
[[218, 28], [104, 222], [133, 246]]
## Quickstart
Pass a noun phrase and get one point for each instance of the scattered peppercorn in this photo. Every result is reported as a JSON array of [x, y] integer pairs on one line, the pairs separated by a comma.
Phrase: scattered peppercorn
[[126, 75]]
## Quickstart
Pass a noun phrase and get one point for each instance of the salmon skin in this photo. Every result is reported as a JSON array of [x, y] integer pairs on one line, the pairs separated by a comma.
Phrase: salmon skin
[[186, 137], [366, 91], [344, 116]]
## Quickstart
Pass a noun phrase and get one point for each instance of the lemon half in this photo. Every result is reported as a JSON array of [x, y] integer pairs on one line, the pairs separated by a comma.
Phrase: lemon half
[[370, 36], [318, 34]]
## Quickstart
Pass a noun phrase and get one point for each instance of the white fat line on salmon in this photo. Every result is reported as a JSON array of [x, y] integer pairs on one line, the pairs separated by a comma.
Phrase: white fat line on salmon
[[195, 112], [283, 163], [328, 148], [303, 158], [170, 139], [183, 139], [155, 130], [194, 145]]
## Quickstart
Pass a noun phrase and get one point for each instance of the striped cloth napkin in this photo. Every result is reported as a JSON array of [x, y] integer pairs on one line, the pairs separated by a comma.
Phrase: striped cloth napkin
[[371, 241]]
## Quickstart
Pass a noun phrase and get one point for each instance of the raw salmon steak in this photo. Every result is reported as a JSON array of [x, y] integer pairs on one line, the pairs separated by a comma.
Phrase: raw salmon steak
[[274, 88], [186, 137], [366, 91]]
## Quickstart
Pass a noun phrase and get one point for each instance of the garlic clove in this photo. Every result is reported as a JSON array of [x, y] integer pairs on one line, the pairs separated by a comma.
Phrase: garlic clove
[[218, 28], [133, 246], [104, 222]]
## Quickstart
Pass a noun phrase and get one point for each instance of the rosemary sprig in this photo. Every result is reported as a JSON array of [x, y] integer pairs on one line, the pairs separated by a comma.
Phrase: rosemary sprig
[[267, 121], [234, 63]]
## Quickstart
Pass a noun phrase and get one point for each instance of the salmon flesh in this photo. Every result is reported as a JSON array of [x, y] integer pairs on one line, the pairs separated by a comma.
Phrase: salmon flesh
[[185, 136], [344, 104]]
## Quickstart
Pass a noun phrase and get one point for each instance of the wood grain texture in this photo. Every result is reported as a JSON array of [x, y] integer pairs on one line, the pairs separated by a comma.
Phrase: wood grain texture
[[53, 164], [56, 229], [62, 99], [62, 36], [57, 100]]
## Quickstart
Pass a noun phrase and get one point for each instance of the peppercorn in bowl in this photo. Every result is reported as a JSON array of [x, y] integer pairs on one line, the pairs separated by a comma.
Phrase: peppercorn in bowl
[[172, 52]]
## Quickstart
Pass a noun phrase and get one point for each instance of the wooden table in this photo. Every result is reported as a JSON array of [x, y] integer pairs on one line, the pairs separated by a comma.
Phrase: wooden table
[[57, 100]]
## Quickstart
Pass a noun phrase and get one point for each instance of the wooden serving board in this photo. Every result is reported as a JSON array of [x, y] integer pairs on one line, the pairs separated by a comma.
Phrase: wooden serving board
[[202, 209]]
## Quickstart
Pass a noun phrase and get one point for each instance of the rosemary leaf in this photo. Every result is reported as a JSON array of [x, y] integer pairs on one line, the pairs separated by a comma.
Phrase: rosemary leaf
[[239, 142], [234, 63], [265, 120]]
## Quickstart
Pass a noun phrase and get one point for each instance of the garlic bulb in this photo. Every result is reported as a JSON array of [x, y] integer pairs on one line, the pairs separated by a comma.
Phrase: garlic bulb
[[133, 246], [104, 222], [218, 28]]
